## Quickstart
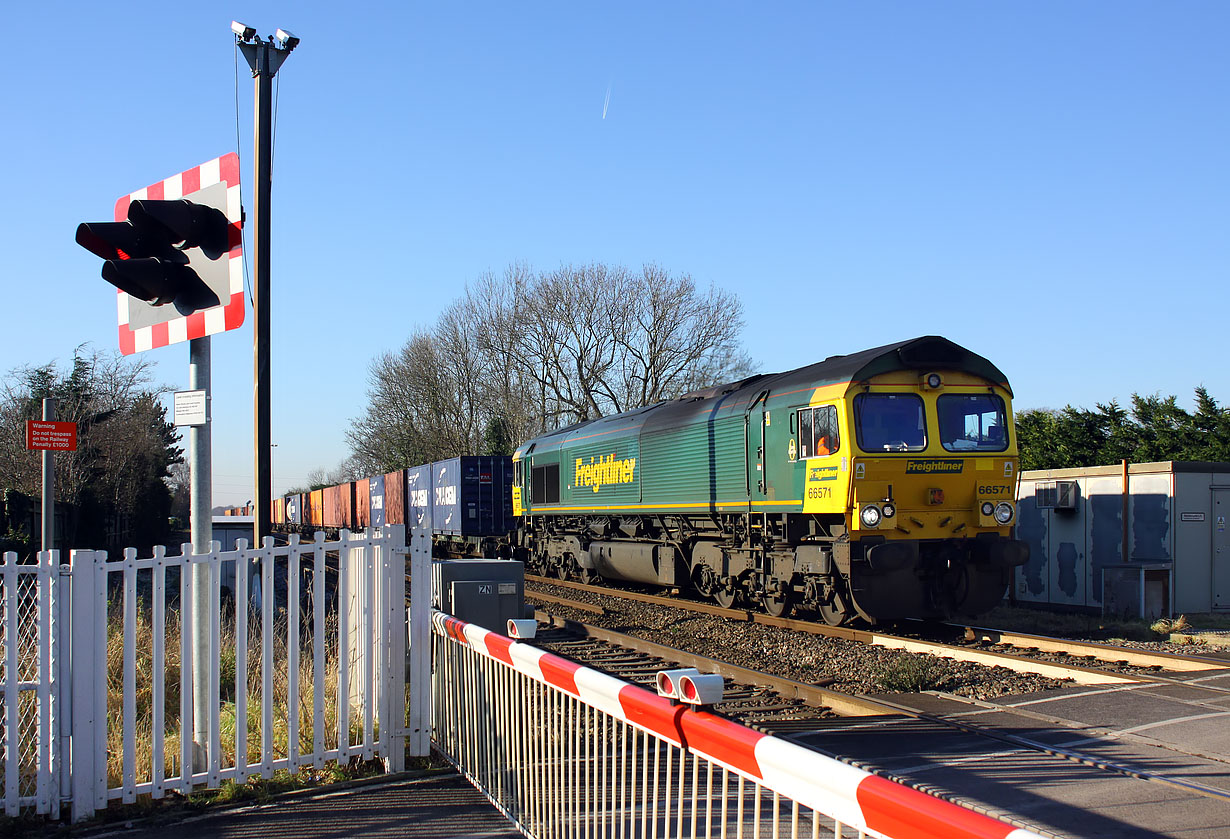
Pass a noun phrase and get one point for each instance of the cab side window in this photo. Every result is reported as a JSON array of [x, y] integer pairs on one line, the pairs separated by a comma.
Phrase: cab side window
[[818, 432], [824, 427]]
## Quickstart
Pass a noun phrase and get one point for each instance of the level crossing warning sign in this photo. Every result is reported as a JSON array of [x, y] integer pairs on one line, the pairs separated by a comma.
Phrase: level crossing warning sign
[[46, 435]]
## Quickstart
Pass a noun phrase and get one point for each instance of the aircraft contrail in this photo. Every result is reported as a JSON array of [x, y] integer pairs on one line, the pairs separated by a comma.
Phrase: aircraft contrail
[[607, 103]]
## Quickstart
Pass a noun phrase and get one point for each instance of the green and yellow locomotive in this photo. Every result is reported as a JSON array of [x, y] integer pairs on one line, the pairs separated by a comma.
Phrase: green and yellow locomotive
[[878, 484]]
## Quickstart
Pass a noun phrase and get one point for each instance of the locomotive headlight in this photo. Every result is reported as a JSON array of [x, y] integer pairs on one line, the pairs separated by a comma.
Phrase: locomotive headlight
[[1004, 512], [870, 515], [987, 508], [889, 511]]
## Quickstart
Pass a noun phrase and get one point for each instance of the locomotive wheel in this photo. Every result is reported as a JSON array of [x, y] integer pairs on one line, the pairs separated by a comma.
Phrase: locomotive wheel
[[725, 597], [779, 606], [587, 576], [834, 609]]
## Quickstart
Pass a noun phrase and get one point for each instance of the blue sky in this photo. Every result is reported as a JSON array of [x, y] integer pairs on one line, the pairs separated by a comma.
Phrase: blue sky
[[1047, 183]]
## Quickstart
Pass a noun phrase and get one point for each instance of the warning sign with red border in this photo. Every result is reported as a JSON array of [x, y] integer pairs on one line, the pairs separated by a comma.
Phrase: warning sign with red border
[[136, 333], [47, 435]]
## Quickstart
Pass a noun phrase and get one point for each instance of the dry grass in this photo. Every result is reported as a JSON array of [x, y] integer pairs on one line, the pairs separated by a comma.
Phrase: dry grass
[[1165, 626], [228, 725]]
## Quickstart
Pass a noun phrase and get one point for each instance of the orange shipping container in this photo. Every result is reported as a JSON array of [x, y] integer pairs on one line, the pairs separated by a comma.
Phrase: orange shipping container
[[316, 508]]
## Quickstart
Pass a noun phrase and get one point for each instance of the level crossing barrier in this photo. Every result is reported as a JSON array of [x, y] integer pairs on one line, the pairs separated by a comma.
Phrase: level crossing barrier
[[567, 751]]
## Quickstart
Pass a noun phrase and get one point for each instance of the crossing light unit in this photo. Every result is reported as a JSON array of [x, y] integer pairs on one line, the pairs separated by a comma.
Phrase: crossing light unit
[[174, 252], [148, 256], [667, 681]]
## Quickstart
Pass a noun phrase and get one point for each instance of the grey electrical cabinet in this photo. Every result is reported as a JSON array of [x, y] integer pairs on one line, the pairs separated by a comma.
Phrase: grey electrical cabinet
[[1145, 541], [487, 592]]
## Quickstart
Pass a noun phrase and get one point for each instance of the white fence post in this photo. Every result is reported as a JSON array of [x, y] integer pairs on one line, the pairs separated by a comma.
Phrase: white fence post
[[419, 635], [393, 720], [86, 671]]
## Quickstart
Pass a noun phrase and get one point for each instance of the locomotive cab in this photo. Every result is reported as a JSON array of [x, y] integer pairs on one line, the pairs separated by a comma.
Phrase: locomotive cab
[[926, 497]]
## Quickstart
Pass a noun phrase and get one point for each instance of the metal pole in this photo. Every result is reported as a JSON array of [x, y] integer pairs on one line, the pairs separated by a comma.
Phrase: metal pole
[[264, 58], [200, 465], [49, 482], [260, 301]]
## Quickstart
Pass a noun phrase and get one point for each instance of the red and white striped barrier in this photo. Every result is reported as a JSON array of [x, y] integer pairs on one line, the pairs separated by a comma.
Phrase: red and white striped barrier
[[851, 795]]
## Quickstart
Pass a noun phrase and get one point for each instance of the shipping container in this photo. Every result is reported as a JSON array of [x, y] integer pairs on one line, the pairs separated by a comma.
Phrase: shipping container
[[418, 496], [395, 497], [346, 498], [375, 500], [294, 509], [362, 505], [279, 511], [472, 496], [316, 508], [333, 507]]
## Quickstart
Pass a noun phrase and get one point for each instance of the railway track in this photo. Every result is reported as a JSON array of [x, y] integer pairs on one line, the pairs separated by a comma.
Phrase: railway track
[[1082, 662]]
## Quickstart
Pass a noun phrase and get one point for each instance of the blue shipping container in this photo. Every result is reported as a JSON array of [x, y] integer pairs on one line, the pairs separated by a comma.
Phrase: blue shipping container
[[418, 497], [472, 495], [375, 486], [294, 509]]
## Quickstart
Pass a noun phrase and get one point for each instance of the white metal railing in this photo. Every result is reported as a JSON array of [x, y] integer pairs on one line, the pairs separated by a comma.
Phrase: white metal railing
[[31, 762], [566, 751], [97, 676]]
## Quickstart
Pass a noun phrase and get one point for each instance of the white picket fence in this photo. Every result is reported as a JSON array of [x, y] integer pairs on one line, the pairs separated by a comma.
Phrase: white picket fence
[[74, 638]]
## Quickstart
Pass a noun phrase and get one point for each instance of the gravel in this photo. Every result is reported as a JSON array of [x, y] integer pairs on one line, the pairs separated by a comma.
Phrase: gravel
[[855, 668]]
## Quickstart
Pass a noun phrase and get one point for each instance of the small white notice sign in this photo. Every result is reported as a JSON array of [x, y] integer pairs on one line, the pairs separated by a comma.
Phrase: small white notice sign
[[190, 407]]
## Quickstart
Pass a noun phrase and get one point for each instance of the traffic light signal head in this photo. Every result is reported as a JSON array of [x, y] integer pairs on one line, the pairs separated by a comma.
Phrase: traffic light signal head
[[175, 254], [151, 255]]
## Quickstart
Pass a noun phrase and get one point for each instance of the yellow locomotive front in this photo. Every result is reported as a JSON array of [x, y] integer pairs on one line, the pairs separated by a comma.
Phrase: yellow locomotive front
[[925, 486]]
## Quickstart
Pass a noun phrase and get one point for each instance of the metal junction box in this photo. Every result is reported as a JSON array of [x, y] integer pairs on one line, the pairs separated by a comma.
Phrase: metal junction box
[[487, 592]]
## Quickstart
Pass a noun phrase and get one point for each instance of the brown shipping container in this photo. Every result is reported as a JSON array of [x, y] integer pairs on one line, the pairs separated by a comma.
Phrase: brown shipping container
[[395, 497], [333, 507], [362, 504], [279, 511], [346, 492], [316, 508]]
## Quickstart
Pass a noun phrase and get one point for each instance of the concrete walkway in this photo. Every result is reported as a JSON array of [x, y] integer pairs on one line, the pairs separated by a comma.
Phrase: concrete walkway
[[434, 807]]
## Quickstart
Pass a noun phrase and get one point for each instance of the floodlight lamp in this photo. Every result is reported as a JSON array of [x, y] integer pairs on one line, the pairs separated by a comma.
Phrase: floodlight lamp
[[286, 40], [242, 31]]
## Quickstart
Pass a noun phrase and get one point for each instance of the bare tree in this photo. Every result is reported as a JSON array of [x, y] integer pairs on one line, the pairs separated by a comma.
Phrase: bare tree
[[525, 353]]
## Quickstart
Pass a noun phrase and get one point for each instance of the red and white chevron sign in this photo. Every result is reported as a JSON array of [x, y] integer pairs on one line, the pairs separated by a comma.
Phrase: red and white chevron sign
[[854, 796], [145, 327]]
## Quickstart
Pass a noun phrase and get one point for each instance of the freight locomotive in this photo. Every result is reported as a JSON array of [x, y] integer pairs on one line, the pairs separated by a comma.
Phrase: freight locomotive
[[878, 485]]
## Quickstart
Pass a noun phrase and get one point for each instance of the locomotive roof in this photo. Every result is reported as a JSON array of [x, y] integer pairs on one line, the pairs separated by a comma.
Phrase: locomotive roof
[[930, 352]]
